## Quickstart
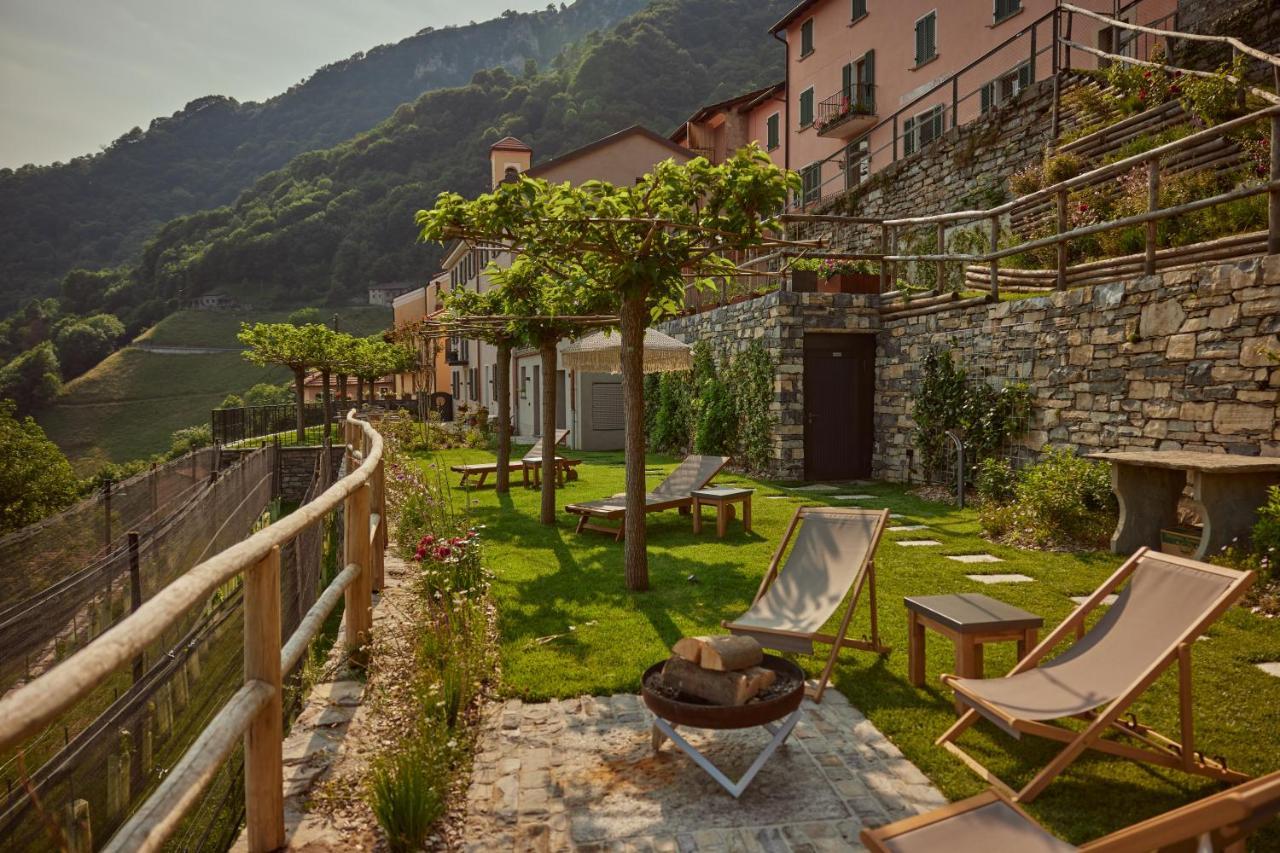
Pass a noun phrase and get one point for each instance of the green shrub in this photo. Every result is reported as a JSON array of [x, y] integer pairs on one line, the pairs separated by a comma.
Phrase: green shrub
[[1266, 532], [1062, 167], [1216, 99], [751, 380], [408, 790], [1063, 501], [190, 438], [717, 420], [996, 482]]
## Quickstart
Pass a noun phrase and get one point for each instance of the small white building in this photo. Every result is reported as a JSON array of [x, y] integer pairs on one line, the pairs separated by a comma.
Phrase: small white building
[[385, 294]]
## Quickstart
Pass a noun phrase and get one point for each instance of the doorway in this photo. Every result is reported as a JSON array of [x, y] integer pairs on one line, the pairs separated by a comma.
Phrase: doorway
[[839, 405]]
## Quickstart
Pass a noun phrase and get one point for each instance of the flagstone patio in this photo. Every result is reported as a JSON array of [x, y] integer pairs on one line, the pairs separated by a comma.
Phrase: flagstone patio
[[582, 774]]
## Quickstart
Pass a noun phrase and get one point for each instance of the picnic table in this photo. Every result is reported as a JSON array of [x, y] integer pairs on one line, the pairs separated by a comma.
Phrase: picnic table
[[1227, 489]]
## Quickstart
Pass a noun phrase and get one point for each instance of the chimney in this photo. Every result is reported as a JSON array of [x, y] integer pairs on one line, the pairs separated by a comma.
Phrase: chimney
[[508, 157]]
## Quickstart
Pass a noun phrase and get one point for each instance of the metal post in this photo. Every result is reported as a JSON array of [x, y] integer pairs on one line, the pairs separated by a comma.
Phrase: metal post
[[895, 137], [1153, 204], [893, 250], [1273, 195], [995, 263], [1034, 76], [884, 265], [941, 269], [135, 597], [1061, 282], [955, 101], [1057, 83], [263, 762], [1066, 60]]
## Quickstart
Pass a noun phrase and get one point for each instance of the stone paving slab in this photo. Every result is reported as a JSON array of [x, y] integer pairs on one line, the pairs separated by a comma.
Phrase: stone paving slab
[[990, 579], [1107, 600], [581, 774], [975, 558], [853, 497], [908, 528], [917, 543], [816, 487], [1270, 668]]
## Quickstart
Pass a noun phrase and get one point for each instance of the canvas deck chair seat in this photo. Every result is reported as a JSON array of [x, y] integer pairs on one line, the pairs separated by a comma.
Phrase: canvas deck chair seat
[[483, 469], [991, 823], [1165, 605], [675, 492], [833, 553]]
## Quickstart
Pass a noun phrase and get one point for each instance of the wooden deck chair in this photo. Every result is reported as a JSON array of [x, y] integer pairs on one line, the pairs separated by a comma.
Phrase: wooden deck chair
[[1167, 603], [834, 553], [484, 469], [675, 492], [991, 823]]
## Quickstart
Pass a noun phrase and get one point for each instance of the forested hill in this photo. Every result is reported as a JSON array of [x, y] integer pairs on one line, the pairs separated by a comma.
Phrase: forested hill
[[99, 209], [332, 221]]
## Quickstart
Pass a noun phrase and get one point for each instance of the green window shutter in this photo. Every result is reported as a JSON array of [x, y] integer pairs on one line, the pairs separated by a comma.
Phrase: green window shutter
[[908, 136], [931, 33], [859, 9], [988, 96], [806, 108], [773, 131], [919, 41], [1026, 75], [846, 84], [868, 95], [806, 37]]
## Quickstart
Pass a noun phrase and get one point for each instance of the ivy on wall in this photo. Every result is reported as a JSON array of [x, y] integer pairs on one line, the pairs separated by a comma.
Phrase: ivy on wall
[[720, 406], [949, 398]]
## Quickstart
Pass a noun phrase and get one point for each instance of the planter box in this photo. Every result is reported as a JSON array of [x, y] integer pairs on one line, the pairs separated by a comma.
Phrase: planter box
[[1181, 541], [850, 283], [804, 281]]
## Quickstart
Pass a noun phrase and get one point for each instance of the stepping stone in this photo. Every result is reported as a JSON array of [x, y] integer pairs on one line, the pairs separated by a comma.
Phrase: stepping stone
[[816, 487], [777, 497], [853, 497], [907, 528], [916, 543], [1108, 601], [990, 579], [975, 558], [1272, 668]]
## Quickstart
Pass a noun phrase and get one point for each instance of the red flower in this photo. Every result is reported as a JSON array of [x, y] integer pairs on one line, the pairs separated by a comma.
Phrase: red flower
[[443, 552], [426, 540]]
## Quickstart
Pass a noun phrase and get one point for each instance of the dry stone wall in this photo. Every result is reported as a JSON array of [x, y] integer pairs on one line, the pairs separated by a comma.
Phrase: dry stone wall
[[1170, 361], [780, 320]]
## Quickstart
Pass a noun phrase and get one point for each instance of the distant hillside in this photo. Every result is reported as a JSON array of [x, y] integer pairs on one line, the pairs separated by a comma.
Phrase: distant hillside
[[128, 406], [98, 210], [333, 220]]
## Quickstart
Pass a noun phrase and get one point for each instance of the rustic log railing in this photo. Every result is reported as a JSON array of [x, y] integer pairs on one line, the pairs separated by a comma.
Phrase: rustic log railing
[[254, 712]]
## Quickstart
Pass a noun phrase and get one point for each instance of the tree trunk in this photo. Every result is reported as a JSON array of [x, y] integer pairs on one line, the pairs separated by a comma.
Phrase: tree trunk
[[340, 389], [300, 391], [360, 391], [504, 417], [548, 352], [325, 407], [635, 316]]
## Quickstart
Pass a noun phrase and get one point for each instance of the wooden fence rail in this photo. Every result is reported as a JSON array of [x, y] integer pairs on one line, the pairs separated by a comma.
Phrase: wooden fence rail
[[254, 712]]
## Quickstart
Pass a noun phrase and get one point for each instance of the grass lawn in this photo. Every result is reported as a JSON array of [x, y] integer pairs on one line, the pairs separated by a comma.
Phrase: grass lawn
[[568, 626]]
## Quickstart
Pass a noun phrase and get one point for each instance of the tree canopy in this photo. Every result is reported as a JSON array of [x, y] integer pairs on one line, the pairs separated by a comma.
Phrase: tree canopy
[[35, 478]]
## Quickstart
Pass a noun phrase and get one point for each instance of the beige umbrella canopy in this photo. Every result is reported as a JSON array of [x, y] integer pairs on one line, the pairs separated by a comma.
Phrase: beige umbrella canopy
[[601, 352]]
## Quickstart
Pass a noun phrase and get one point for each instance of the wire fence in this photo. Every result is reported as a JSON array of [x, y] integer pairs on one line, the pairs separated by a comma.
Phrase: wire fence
[[107, 753]]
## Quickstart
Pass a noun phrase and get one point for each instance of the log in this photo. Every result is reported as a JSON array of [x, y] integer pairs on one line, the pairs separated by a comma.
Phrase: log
[[718, 688], [720, 652], [762, 677], [689, 648]]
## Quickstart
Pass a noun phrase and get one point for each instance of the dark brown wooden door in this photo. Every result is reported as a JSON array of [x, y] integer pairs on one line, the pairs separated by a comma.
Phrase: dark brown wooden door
[[839, 405]]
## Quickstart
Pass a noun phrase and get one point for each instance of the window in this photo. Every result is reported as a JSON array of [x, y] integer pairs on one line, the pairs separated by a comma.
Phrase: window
[[811, 179], [473, 384], [806, 38], [919, 131], [859, 80], [927, 38], [1007, 86], [453, 380], [493, 381], [1005, 8], [772, 132], [859, 10], [806, 107]]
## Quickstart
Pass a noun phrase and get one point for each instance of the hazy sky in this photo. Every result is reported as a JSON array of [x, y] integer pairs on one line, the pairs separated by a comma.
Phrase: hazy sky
[[76, 74]]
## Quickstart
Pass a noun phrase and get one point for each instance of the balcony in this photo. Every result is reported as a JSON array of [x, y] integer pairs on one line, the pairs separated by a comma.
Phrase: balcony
[[455, 357], [847, 113]]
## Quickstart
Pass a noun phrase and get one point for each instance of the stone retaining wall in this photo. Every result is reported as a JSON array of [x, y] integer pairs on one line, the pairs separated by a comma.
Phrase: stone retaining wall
[[779, 321], [1169, 361], [297, 466]]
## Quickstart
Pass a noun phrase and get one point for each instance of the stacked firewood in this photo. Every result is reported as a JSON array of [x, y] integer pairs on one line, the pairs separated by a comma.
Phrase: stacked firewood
[[722, 669]]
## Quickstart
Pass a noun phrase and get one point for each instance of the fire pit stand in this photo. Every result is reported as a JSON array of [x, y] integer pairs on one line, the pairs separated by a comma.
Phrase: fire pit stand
[[777, 714]]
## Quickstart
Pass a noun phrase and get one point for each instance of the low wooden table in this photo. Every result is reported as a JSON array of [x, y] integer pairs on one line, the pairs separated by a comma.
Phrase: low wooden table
[[565, 470], [1227, 490], [723, 500], [969, 619]]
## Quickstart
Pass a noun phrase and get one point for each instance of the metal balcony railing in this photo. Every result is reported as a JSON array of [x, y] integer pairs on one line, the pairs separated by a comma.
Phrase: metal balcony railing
[[847, 112]]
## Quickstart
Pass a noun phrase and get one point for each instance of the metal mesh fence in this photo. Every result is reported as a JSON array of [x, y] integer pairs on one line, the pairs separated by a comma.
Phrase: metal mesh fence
[[232, 425], [107, 753]]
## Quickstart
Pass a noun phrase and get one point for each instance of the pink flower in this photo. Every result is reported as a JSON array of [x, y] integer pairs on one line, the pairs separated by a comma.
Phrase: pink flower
[[426, 540], [443, 552]]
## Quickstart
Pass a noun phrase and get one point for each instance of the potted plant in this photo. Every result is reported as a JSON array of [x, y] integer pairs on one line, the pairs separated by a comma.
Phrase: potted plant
[[829, 275], [804, 275]]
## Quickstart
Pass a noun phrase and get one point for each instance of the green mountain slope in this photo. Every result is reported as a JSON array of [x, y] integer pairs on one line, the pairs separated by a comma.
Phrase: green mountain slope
[[98, 209], [128, 406], [331, 221]]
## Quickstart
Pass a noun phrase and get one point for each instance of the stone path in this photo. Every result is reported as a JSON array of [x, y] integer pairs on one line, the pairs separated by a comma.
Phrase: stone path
[[582, 775]]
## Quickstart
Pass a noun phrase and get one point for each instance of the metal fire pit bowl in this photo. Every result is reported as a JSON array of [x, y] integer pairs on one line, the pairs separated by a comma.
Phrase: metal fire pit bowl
[[702, 715]]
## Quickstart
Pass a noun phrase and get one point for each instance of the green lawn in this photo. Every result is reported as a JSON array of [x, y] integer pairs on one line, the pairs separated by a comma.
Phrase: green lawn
[[568, 626]]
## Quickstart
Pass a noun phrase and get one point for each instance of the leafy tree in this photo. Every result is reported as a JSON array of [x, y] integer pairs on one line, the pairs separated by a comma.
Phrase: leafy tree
[[596, 246], [303, 316], [32, 379], [298, 348], [369, 359], [35, 478], [266, 394], [82, 343], [190, 438], [232, 401]]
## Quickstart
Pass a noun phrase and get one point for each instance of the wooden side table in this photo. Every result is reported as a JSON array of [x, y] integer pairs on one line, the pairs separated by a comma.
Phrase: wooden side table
[[723, 500], [969, 620], [564, 470]]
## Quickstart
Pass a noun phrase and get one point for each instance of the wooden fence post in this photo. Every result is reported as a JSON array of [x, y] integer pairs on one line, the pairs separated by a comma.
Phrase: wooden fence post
[[77, 828], [995, 262], [941, 270], [263, 740], [1061, 282], [884, 265], [380, 542], [358, 597], [1153, 204], [1273, 196]]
